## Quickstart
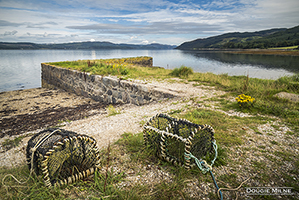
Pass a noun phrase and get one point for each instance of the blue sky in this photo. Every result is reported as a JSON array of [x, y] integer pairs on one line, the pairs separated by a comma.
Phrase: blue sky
[[139, 21]]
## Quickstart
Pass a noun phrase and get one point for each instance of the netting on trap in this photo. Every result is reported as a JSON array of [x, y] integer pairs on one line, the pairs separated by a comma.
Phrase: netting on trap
[[178, 140], [61, 156]]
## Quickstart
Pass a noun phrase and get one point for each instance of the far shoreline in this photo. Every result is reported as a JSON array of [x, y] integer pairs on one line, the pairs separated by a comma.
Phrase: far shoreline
[[265, 52], [278, 52]]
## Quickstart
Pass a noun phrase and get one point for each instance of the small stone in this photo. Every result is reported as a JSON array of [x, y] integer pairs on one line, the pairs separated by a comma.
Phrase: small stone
[[289, 96]]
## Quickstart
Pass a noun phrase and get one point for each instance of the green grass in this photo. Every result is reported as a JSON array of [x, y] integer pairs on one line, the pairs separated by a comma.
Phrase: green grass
[[95, 67], [262, 90], [231, 133], [229, 129], [33, 189], [123, 67]]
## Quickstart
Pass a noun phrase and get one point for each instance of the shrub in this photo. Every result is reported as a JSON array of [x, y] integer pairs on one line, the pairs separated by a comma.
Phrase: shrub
[[183, 71]]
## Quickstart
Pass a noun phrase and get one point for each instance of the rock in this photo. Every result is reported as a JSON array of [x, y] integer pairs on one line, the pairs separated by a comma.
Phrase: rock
[[289, 96]]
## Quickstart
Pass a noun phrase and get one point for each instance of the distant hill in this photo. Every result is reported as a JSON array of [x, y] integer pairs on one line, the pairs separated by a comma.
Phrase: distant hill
[[261, 39], [82, 45]]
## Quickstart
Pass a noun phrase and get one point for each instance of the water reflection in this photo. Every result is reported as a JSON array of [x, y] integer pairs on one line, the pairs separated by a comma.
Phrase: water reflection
[[289, 63], [93, 55]]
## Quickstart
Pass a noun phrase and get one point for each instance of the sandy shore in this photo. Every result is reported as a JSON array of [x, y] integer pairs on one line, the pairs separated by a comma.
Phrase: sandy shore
[[28, 110]]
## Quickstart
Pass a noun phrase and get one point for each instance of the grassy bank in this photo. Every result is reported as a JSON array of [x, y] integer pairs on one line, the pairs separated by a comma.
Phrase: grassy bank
[[261, 89], [124, 68], [246, 149]]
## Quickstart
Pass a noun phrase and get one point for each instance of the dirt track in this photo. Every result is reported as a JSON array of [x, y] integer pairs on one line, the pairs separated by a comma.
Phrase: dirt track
[[26, 110]]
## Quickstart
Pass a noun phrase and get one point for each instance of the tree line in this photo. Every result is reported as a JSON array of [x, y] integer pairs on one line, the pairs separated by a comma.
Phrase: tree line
[[267, 42], [271, 38]]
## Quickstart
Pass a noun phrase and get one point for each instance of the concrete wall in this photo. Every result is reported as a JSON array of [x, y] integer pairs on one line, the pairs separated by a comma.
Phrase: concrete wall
[[106, 89]]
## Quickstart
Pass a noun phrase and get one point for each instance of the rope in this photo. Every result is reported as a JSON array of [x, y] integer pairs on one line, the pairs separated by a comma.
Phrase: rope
[[215, 183], [202, 164], [40, 142], [205, 167], [231, 189]]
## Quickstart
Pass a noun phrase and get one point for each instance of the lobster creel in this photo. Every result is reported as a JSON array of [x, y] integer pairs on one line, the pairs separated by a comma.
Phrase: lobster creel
[[62, 157], [178, 140]]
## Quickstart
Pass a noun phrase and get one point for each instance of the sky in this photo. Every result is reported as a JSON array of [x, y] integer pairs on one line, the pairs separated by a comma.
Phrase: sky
[[139, 21]]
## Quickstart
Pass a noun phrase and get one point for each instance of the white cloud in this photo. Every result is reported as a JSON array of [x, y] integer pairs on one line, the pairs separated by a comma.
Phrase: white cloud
[[273, 7], [266, 14], [136, 21], [145, 42], [175, 27], [133, 37]]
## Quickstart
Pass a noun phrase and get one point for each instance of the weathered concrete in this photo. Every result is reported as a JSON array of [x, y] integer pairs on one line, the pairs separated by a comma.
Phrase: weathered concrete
[[106, 89]]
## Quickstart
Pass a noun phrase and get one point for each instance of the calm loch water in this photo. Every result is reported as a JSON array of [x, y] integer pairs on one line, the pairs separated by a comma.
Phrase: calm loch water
[[21, 69]]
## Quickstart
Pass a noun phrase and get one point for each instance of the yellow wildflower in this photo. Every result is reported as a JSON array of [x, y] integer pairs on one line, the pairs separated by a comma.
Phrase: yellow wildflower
[[245, 100]]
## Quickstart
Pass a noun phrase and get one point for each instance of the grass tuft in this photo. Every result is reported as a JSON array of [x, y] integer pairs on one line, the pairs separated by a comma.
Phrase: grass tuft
[[183, 71]]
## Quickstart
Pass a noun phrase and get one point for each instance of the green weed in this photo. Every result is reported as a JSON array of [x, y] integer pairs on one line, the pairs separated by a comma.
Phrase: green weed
[[112, 110], [9, 144]]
